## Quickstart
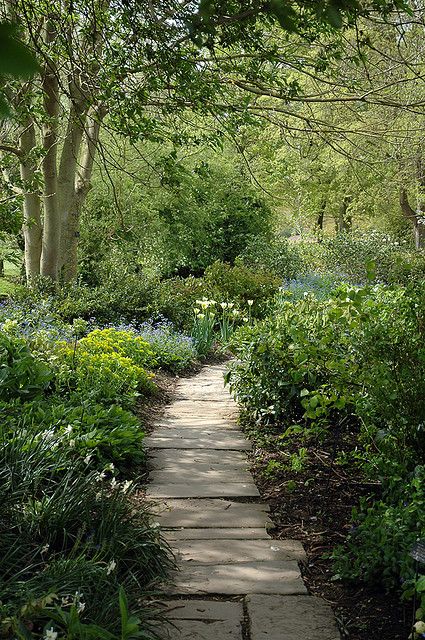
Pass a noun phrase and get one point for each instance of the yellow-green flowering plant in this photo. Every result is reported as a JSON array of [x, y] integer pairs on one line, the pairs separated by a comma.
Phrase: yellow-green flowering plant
[[107, 365]]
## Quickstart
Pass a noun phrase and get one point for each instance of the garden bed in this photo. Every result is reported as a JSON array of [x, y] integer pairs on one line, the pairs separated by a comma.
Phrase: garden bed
[[314, 505]]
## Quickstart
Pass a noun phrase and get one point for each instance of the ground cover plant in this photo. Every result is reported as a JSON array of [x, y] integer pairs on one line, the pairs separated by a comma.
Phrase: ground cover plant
[[78, 559]]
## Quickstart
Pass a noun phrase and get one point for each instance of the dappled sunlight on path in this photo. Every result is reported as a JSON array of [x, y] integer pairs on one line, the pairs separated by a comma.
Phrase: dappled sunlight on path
[[238, 582]]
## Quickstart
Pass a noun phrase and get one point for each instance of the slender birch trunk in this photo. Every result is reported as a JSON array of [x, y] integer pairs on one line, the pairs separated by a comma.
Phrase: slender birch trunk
[[52, 223], [32, 228], [82, 187]]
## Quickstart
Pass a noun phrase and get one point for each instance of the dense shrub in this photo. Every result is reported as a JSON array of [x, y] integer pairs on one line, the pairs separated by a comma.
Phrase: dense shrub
[[276, 255], [100, 375], [125, 297], [378, 547], [176, 297], [350, 364], [239, 283], [372, 256], [21, 374]]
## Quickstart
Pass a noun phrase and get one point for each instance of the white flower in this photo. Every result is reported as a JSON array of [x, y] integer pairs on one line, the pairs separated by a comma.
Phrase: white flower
[[223, 305], [50, 634], [201, 316], [110, 467], [45, 548], [68, 429], [235, 312], [126, 485], [66, 601], [81, 606], [250, 302], [72, 443], [111, 567], [114, 483], [420, 627], [87, 459], [196, 311], [230, 304]]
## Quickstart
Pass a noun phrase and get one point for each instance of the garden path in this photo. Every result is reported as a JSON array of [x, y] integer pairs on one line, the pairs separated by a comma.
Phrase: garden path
[[234, 581]]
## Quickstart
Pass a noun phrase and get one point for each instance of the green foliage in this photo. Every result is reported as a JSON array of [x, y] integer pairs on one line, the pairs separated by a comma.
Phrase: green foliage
[[21, 374], [276, 255], [100, 434], [345, 365], [16, 60], [240, 283], [378, 547], [121, 295], [176, 298], [372, 256], [68, 538], [101, 375]]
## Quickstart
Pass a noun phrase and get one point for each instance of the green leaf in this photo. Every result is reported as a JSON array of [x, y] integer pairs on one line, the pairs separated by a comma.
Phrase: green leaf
[[284, 14], [334, 17], [15, 58]]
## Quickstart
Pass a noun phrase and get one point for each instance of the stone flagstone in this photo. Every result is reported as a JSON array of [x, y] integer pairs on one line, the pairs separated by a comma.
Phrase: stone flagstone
[[277, 577], [207, 513], [161, 458], [226, 442], [294, 618], [203, 490], [238, 550], [215, 534]]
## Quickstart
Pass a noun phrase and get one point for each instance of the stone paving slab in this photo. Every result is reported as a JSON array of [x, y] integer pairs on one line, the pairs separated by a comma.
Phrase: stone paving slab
[[204, 610], [207, 512], [202, 630], [225, 442], [215, 552], [268, 577], [216, 534], [159, 459], [204, 431], [216, 423], [199, 472], [198, 489], [291, 618]]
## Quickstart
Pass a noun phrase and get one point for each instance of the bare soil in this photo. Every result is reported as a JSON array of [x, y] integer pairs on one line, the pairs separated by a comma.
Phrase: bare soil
[[314, 505]]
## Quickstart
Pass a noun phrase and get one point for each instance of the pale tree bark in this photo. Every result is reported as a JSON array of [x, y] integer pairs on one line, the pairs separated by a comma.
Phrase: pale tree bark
[[68, 166], [415, 218], [31, 228], [82, 187], [344, 221], [52, 223]]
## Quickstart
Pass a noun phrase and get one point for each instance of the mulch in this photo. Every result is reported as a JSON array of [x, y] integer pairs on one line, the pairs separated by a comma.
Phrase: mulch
[[314, 505]]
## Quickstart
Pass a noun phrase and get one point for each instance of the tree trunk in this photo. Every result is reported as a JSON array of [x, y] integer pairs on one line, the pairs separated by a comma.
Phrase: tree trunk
[[417, 220], [52, 223], [344, 220], [31, 227], [67, 176], [82, 187]]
